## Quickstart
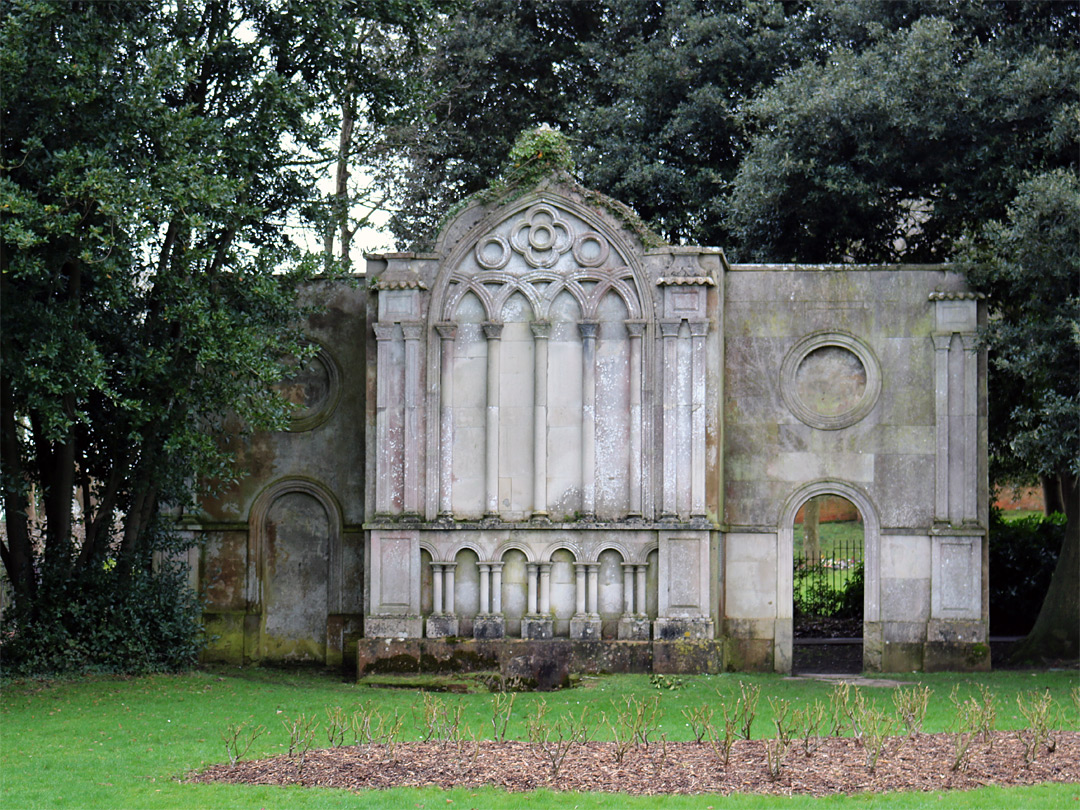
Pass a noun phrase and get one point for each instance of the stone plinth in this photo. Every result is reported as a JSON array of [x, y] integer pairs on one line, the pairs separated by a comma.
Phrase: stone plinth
[[376, 626], [668, 629], [635, 629], [487, 626], [585, 628], [440, 625], [537, 628]]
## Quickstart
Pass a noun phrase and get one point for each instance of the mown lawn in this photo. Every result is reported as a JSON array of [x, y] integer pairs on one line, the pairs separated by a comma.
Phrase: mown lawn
[[103, 742]]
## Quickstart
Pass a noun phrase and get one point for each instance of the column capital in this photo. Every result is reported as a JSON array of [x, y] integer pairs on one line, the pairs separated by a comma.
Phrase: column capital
[[545, 567], [448, 566], [384, 331], [483, 566], [970, 341], [942, 341], [541, 329], [494, 565], [412, 330], [635, 326], [492, 330], [588, 328], [447, 330], [699, 328], [670, 328]]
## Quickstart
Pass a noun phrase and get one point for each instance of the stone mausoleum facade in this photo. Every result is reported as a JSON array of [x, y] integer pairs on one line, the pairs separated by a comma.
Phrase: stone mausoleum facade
[[553, 431]]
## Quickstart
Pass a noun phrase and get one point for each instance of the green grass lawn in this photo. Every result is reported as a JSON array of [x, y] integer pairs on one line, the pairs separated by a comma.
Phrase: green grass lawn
[[103, 742]]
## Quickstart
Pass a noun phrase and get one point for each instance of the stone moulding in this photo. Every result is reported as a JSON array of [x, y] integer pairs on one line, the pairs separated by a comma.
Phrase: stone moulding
[[317, 415], [820, 340]]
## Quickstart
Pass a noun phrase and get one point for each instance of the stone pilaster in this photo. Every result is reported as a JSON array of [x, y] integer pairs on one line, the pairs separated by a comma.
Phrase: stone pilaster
[[493, 333], [447, 334], [541, 332], [588, 418]]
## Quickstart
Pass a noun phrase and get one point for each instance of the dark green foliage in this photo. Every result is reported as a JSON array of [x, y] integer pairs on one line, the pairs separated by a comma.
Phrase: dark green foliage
[[153, 159], [815, 596], [1023, 554], [897, 146], [648, 92], [102, 619]]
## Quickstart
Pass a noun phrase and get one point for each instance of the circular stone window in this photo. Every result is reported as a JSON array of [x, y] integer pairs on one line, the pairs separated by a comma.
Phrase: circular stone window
[[315, 388], [830, 380]]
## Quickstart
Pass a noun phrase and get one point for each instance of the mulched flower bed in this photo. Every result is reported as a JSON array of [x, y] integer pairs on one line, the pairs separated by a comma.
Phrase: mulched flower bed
[[921, 763]]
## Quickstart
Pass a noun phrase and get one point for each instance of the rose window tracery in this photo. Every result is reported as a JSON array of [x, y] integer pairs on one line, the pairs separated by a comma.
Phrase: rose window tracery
[[541, 237]]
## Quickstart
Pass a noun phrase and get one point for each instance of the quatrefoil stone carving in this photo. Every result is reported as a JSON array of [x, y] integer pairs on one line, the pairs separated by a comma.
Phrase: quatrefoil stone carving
[[541, 237]]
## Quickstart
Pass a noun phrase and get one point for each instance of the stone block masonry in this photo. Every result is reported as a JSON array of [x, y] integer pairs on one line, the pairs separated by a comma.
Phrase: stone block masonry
[[545, 434]]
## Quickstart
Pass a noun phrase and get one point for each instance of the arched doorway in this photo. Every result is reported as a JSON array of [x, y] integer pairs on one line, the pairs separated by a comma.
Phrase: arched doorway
[[871, 612], [294, 584], [828, 586]]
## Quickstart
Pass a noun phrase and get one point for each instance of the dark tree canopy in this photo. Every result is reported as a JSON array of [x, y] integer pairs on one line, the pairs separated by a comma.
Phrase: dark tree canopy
[[817, 131], [154, 158]]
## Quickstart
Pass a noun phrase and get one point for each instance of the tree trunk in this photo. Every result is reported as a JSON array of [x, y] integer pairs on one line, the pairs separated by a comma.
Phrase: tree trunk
[[811, 535], [1056, 634], [18, 555], [1051, 489], [58, 482]]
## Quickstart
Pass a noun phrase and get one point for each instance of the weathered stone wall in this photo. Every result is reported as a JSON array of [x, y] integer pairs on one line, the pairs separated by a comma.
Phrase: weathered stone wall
[[545, 430], [852, 381], [283, 560]]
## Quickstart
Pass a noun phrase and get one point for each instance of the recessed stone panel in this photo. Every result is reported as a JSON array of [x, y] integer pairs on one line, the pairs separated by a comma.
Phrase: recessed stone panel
[[830, 380]]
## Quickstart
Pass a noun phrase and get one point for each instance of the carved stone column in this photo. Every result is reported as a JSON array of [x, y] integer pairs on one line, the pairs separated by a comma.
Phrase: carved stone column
[[436, 587], [636, 329], [489, 623], [698, 331], [448, 595], [384, 478], [628, 589], [592, 571], [413, 397], [639, 579], [541, 332], [537, 623], [970, 356], [670, 331], [493, 333], [588, 418], [496, 587], [442, 622], [579, 582], [633, 624], [585, 623], [532, 573], [447, 333], [941, 402], [545, 588], [485, 587]]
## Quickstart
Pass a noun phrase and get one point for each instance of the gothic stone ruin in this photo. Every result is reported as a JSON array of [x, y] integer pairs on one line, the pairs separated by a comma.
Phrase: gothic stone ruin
[[548, 441]]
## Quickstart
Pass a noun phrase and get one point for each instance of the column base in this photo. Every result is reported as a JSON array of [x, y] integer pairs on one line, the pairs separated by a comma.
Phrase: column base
[[632, 628], [537, 627], [391, 626], [586, 628], [441, 625], [489, 626], [695, 627]]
